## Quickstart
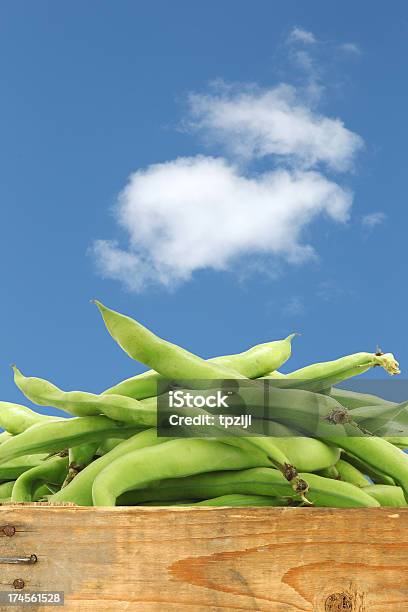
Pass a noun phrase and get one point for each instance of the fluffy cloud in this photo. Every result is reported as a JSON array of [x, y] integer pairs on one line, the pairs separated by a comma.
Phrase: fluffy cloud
[[294, 306], [202, 212], [253, 205], [371, 220], [302, 36], [351, 48], [275, 122]]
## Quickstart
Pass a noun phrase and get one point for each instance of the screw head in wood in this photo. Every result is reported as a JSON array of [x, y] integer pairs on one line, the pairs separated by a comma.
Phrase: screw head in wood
[[18, 583], [9, 530], [337, 602]]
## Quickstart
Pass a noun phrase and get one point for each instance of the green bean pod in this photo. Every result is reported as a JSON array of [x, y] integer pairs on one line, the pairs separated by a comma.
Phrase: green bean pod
[[375, 475], [354, 399], [6, 489], [107, 445], [61, 434], [400, 441], [313, 413], [344, 368], [4, 435], [387, 495], [79, 490], [255, 481], [378, 453], [15, 418], [252, 363], [329, 472], [80, 403], [53, 470], [236, 500], [349, 473], [10, 470], [178, 502], [41, 492], [305, 454], [169, 360], [79, 457], [180, 458], [383, 420]]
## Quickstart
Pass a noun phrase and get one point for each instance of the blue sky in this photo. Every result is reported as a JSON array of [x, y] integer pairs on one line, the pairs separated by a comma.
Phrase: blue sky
[[95, 92]]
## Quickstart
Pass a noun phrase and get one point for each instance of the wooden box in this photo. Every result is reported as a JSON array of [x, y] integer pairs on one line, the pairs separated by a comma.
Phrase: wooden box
[[286, 559]]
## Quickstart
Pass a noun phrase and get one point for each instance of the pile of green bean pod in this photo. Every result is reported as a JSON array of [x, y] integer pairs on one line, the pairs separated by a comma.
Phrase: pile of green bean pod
[[320, 445]]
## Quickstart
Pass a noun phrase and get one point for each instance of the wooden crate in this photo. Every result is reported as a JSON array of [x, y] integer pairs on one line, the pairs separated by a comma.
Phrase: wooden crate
[[223, 559]]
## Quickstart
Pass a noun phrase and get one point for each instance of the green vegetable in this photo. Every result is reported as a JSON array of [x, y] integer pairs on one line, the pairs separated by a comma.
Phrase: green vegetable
[[353, 399], [349, 473], [344, 368], [53, 470], [179, 458], [257, 481], [59, 435], [387, 495], [169, 360], [253, 363], [10, 470], [15, 418], [235, 500], [84, 404], [79, 490]]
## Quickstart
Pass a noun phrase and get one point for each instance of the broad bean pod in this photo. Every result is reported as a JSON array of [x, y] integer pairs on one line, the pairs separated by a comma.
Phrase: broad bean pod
[[6, 489], [169, 360], [4, 435], [236, 500], [305, 454], [379, 454], [255, 481], [53, 470], [383, 420], [107, 445], [375, 475], [387, 495], [342, 369], [175, 458], [176, 502], [41, 492], [329, 472], [15, 418], [252, 363], [349, 473], [10, 470], [79, 490], [79, 457], [60, 435], [314, 413], [354, 399], [400, 441], [81, 403]]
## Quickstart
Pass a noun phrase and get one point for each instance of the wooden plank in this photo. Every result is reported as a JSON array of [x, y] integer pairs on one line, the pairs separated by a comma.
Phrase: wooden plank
[[283, 559]]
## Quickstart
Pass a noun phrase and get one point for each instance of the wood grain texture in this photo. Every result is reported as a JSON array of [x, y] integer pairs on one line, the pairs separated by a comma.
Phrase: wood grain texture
[[283, 559]]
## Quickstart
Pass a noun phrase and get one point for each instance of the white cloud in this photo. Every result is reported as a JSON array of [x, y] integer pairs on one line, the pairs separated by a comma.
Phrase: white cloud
[[202, 212], [371, 220], [255, 123], [302, 36], [222, 213], [294, 306], [305, 61], [351, 48]]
